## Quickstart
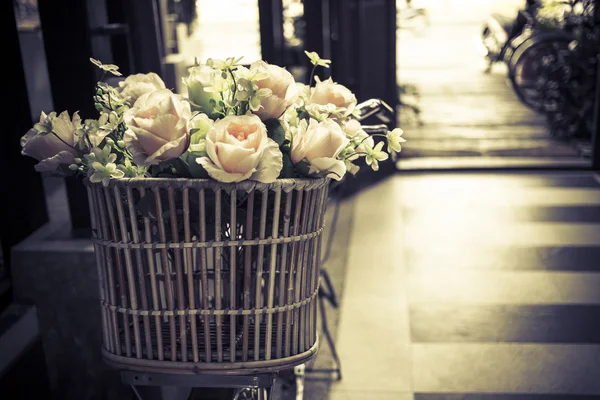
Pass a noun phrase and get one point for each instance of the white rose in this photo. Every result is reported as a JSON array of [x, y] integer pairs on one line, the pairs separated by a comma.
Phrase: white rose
[[52, 141], [158, 127], [134, 86], [331, 98], [238, 148], [283, 88], [320, 143]]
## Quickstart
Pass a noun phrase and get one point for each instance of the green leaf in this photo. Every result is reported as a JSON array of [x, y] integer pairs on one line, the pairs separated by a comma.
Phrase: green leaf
[[303, 167], [288, 167], [275, 131]]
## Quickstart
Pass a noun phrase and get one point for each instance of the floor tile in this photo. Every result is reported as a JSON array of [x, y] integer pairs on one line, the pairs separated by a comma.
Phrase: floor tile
[[502, 396], [505, 323], [491, 286], [373, 339], [507, 180], [506, 368], [511, 234], [578, 287], [587, 214], [448, 193], [570, 258], [368, 395]]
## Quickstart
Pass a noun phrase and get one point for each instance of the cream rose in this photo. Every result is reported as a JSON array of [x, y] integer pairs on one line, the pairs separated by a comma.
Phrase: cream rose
[[331, 98], [283, 88], [320, 143], [238, 148], [134, 86], [52, 141], [158, 127]]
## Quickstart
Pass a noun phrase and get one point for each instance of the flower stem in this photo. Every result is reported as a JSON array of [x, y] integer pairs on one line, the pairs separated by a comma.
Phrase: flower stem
[[234, 85], [312, 74], [358, 153], [370, 136]]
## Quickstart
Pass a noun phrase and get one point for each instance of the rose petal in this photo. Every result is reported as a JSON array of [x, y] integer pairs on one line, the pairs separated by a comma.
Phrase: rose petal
[[133, 145], [220, 174], [52, 163], [270, 165], [236, 159], [329, 165], [172, 149]]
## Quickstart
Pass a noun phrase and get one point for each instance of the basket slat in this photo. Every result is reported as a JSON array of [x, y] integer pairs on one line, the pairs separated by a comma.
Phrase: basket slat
[[129, 270], [272, 269], [189, 263], [108, 266], [141, 279], [153, 284], [217, 271], [232, 274], [258, 302], [164, 267], [292, 276], [182, 338], [284, 267], [204, 274], [98, 250], [247, 275]]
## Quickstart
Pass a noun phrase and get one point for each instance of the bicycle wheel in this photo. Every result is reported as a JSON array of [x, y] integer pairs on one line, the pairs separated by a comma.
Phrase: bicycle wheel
[[529, 54]]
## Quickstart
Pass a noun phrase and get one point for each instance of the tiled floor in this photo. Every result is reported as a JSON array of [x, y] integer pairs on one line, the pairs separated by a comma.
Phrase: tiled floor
[[473, 287]]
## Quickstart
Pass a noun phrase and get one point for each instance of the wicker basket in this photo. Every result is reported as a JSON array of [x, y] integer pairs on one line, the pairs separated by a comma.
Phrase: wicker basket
[[199, 276]]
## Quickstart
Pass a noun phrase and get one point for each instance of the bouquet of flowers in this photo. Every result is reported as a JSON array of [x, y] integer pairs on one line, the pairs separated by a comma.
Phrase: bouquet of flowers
[[237, 123]]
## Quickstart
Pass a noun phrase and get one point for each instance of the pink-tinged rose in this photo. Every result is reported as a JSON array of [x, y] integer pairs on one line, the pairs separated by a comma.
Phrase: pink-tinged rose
[[158, 127], [238, 148], [320, 143], [52, 141], [283, 88], [333, 98], [134, 86]]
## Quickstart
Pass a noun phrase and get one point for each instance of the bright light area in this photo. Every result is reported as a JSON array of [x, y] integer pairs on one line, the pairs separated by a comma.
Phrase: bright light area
[[225, 29]]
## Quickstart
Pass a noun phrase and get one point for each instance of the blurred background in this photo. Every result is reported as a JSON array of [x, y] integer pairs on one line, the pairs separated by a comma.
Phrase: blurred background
[[465, 269]]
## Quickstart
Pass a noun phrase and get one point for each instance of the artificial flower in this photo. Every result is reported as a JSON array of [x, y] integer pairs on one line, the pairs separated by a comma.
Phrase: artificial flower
[[375, 155], [320, 144], [238, 148], [52, 141], [333, 99], [315, 59], [113, 69], [394, 138], [283, 90], [204, 85], [134, 86], [158, 127]]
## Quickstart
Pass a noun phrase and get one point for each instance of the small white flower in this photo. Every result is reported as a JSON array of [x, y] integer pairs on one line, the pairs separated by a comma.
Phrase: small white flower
[[375, 155], [315, 59], [113, 69], [229, 63], [394, 138], [103, 173], [130, 170]]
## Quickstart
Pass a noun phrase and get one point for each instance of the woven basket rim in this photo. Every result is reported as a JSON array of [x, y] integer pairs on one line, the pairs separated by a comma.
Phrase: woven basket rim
[[198, 183]]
